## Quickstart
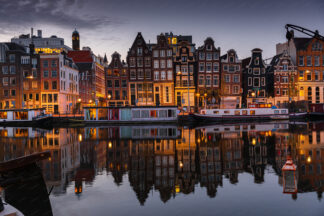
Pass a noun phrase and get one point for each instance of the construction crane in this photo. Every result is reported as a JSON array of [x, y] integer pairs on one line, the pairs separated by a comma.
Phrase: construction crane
[[290, 32]]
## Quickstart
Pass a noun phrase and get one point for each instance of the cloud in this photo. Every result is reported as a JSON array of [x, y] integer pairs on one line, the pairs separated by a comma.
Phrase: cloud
[[62, 13]]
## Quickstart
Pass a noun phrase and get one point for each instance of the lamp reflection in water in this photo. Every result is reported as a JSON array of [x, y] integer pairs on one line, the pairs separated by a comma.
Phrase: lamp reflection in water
[[289, 177]]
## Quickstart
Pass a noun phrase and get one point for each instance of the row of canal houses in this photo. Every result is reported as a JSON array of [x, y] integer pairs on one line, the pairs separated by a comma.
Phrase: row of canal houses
[[174, 72], [39, 72]]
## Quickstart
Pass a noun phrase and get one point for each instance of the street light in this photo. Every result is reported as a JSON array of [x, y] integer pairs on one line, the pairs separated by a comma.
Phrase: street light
[[109, 96]]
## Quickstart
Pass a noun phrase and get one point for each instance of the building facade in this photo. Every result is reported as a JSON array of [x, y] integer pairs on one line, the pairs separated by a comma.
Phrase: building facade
[[19, 73], [231, 81], [254, 90], [139, 60], [163, 75], [285, 81], [117, 81], [60, 83], [185, 72], [208, 61]]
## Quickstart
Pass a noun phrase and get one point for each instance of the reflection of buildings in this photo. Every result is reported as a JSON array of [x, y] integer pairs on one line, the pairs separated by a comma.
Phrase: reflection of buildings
[[169, 159], [210, 160]]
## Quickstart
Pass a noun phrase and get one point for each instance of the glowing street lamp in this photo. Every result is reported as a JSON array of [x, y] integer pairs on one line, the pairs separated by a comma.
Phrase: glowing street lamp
[[109, 97]]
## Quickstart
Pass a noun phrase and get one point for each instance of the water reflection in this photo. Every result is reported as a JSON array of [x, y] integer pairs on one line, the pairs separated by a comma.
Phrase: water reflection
[[170, 159]]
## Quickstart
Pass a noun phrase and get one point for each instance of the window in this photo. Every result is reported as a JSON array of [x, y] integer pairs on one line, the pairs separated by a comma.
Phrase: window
[[317, 94], [163, 75], [12, 81], [132, 62], [117, 95], [169, 63], [256, 61], [6, 93], [183, 58], [124, 83], [216, 67], [25, 85], [256, 82], [156, 75], [216, 81], [231, 59], [147, 74], [301, 60], [309, 94], [169, 53], [227, 89], [231, 68], [12, 69], [227, 78], [201, 67], [301, 75], [208, 80], [4, 69], [216, 56], [284, 92], [140, 74], [278, 91], [54, 85], [5, 81], [50, 98], [133, 74], [147, 62], [284, 79], [252, 112], [225, 67], [256, 71], [250, 70], [45, 63], [277, 78], [162, 53], [46, 85], [155, 53], [109, 83], [250, 81], [162, 64], [201, 80], [12, 58], [201, 56], [209, 56], [54, 63], [37, 97], [45, 73], [170, 75], [236, 78], [208, 67], [309, 60], [139, 62], [309, 75], [317, 61], [236, 89], [139, 51], [124, 94], [285, 67], [116, 83], [44, 98], [54, 73], [167, 94]]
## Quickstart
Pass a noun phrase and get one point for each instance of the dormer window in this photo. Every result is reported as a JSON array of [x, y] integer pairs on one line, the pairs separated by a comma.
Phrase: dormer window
[[209, 47], [115, 63], [139, 51], [231, 59], [256, 61]]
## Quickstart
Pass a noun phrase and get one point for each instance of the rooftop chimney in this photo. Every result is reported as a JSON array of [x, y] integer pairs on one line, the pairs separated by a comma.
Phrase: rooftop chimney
[[39, 33]]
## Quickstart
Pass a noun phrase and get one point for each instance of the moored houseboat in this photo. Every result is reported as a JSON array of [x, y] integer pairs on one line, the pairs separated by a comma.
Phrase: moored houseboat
[[249, 114], [130, 114], [8, 116]]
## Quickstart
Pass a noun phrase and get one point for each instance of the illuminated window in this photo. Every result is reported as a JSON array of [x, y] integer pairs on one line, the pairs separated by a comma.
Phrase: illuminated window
[[174, 40]]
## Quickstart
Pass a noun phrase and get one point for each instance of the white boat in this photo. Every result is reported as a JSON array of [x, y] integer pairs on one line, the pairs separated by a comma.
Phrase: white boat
[[8, 116], [247, 114]]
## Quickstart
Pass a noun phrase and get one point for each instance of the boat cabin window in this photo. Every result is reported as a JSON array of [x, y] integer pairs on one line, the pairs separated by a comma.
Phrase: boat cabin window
[[283, 111], [136, 113], [216, 112], [3, 133], [276, 111], [163, 113], [244, 112], [226, 112], [216, 129], [252, 112], [237, 112], [171, 113], [3, 115], [144, 114], [91, 114], [237, 127], [245, 127], [153, 114], [21, 115]]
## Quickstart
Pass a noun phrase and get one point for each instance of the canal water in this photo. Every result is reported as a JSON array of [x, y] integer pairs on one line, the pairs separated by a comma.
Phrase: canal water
[[173, 170]]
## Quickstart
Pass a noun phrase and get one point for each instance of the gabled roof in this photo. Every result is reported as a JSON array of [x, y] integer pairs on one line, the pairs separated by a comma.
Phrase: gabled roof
[[81, 56], [301, 43]]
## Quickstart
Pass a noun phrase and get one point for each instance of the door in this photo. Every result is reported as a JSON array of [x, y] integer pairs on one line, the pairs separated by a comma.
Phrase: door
[[157, 99], [133, 100], [56, 110], [179, 99]]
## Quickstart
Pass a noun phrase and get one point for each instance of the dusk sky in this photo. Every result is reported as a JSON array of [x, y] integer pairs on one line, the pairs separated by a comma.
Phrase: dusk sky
[[107, 26]]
